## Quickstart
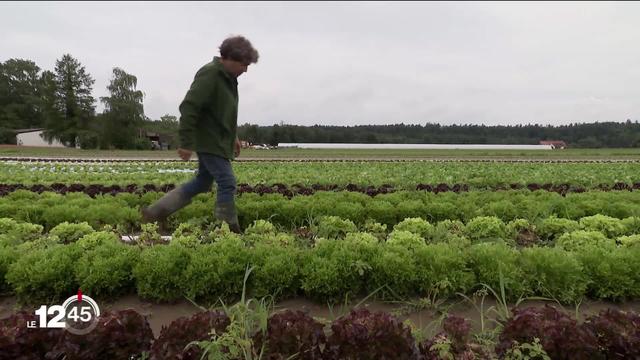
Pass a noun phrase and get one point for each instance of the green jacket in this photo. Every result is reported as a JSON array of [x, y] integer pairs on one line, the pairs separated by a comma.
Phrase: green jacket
[[209, 112]]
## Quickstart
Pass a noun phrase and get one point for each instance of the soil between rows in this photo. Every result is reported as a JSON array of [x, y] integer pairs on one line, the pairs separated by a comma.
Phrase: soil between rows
[[160, 315]]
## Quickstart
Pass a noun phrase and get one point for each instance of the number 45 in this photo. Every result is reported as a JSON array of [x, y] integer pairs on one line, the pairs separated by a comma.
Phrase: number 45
[[85, 314]]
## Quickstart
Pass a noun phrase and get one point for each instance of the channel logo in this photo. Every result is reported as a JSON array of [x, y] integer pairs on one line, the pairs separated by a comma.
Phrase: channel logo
[[78, 315]]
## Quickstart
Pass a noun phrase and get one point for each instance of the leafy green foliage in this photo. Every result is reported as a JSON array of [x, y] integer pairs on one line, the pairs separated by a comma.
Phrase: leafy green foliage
[[51, 209], [276, 271], [449, 226], [577, 239], [188, 234], [446, 230], [410, 208], [159, 272], [393, 274], [149, 235], [62, 213], [41, 243], [70, 232], [555, 273], [13, 232], [97, 214], [45, 274], [335, 269], [550, 228], [7, 224], [612, 273], [629, 241], [216, 270], [381, 211], [607, 225], [8, 255], [632, 225], [375, 228], [248, 318], [523, 232], [106, 270], [417, 226], [261, 227], [405, 239], [96, 239], [202, 276], [332, 227], [362, 238], [490, 262], [278, 239], [442, 268], [486, 228], [223, 235]]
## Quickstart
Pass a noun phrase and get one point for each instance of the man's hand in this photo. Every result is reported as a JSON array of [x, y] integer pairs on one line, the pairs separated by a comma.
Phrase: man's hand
[[237, 148], [184, 154]]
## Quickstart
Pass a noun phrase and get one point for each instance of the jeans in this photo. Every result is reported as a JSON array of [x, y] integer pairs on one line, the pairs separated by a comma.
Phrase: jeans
[[210, 168]]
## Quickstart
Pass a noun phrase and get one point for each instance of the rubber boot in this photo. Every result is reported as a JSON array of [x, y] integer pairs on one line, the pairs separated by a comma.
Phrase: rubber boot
[[227, 213], [171, 202]]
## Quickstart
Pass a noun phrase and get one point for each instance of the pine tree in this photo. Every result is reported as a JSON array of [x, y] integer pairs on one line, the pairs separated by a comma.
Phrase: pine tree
[[73, 105]]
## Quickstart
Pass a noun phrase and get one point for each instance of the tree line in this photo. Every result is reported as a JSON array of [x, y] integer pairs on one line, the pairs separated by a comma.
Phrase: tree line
[[61, 102], [586, 135]]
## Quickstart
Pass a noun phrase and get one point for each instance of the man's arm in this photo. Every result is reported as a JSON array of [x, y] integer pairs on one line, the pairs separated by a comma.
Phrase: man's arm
[[237, 147], [200, 92]]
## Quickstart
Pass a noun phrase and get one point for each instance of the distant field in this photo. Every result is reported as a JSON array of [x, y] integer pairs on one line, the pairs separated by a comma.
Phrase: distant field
[[248, 154]]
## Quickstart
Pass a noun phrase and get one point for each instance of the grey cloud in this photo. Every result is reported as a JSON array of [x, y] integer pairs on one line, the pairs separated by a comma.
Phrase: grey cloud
[[358, 62]]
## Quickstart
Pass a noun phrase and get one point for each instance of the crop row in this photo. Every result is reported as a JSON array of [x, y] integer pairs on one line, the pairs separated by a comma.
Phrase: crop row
[[566, 261], [383, 158], [530, 333], [297, 189], [567, 233], [400, 175], [50, 209]]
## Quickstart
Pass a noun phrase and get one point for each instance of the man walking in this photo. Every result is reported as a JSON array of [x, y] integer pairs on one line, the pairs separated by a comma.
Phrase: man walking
[[208, 122]]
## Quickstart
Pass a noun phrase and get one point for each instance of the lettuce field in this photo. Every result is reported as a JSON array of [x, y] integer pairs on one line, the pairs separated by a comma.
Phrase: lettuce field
[[349, 259]]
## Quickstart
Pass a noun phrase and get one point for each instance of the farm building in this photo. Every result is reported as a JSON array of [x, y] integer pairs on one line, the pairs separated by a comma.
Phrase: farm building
[[34, 137]]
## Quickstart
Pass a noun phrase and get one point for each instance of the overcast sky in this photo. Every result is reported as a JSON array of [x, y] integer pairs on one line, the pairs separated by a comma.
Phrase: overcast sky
[[357, 63]]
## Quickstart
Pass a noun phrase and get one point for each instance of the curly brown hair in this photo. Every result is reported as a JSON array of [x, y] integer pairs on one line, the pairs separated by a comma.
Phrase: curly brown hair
[[238, 48]]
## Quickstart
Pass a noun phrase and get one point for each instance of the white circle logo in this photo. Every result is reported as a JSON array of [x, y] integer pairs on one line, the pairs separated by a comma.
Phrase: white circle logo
[[81, 314]]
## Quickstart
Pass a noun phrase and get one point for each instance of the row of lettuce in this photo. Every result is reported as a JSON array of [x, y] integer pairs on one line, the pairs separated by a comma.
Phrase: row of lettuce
[[403, 175], [569, 234], [94, 190], [50, 209], [530, 333], [597, 257]]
